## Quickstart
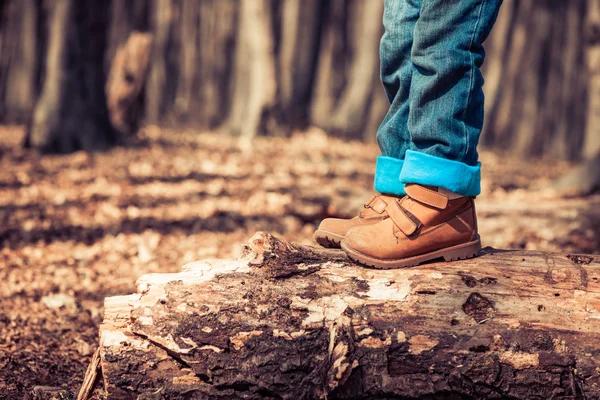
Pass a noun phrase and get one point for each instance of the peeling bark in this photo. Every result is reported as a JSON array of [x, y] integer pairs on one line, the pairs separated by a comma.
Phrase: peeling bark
[[292, 322]]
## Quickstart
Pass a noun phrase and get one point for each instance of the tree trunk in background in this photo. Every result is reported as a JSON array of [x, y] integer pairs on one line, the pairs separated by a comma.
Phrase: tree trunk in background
[[126, 17], [216, 63], [206, 38], [19, 53], [254, 76], [348, 70], [592, 29], [297, 63], [564, 101], [538, 83], [188, 57], [71, 113], [585, 178], [331, 66], [22, 85], [9, 34], [301, 24], [156, 91], [352, 110]]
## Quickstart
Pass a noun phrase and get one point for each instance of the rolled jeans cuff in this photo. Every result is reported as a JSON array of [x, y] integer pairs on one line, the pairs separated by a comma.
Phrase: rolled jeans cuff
[[425, 169], [387, 176]]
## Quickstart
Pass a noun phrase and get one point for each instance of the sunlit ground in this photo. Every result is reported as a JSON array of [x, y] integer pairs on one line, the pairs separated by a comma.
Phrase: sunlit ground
[[77, 228]]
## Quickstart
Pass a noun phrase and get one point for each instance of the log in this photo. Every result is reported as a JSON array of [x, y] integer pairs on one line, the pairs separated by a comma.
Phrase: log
[[91, 378], [287, 321]]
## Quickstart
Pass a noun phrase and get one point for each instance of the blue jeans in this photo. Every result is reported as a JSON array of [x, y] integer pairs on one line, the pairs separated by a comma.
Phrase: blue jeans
[[431, 55]]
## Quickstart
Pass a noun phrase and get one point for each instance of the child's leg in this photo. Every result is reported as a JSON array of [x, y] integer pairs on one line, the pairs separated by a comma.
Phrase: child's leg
[[399, 19], [445, 120], [446, 97]]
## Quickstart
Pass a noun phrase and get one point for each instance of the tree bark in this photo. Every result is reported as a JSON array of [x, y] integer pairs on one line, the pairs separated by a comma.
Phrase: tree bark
[[592, 30], [348, 93], [269, 67], [126, 17], [301, 23], [351, 113], [255, 85], [292, 322], [19, 59], [585, 178], [537, 94], [218, 23], [71, 113], [156, 90], [22, 87], [188, 56], [331, 64]]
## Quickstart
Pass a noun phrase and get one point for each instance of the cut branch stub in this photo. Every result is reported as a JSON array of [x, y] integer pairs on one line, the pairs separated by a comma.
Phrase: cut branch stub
[[287, 321], [126, 81], [282, 259]]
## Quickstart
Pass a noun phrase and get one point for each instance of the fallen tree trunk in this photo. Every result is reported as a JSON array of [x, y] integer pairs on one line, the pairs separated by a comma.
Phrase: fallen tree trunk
[[293, 322]]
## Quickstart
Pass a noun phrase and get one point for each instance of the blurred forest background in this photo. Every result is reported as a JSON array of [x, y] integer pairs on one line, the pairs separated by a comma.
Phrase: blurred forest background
[[223, 117], [268, 67]]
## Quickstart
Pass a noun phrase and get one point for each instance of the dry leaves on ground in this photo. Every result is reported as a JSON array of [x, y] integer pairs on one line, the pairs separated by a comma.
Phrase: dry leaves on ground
[[77, 228]]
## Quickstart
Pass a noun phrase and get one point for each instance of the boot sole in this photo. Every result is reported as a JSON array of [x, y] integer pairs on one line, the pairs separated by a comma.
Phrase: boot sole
[[328, 239], [453, 253]]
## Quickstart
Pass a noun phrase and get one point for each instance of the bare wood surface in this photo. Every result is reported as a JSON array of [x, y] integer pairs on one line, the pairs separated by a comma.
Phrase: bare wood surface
[[91, 378], [293, 322]]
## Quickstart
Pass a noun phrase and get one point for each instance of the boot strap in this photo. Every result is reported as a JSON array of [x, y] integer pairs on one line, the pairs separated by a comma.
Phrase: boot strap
[[376, 204], [403, 219], [427, 196]]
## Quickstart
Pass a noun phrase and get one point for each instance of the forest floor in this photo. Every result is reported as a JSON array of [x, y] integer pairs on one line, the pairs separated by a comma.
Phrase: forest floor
[[78, 228]]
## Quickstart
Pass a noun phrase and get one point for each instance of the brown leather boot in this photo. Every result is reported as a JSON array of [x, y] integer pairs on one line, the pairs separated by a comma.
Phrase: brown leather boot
[[331, 231], [424, 225]]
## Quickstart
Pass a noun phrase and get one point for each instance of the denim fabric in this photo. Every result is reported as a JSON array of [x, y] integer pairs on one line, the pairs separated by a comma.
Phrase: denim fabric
[[399, 19], [431, 55]]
